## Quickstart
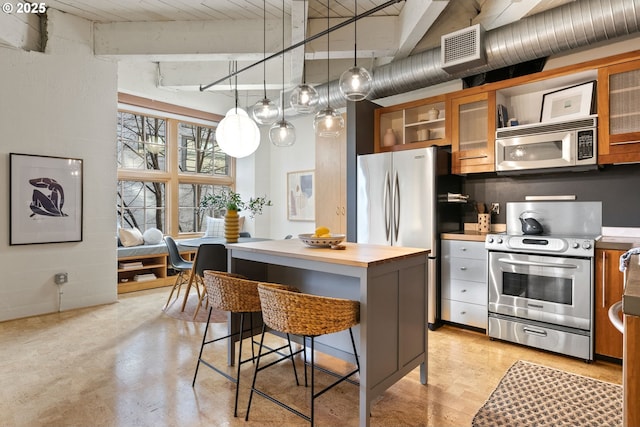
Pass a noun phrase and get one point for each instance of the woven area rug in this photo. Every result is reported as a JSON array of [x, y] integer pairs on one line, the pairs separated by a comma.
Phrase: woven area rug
[[534, 395], [175, 310]]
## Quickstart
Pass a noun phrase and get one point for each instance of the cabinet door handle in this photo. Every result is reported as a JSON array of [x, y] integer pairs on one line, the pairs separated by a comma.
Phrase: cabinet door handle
[[343, 210], [338, 210], [473, 157], [624, 142], [604, 270]]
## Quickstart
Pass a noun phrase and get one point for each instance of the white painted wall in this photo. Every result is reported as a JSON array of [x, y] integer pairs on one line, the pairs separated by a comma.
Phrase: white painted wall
[[60, 103]]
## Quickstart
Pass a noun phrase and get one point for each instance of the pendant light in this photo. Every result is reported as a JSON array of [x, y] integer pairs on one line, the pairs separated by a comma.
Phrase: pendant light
[[304, 99], [237, 135], [265, 112], [328, 123], [282, 133], [356, 83]]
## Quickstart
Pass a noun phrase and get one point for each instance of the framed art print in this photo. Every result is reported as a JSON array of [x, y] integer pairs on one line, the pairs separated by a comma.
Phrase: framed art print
[[568, 103], [301, 196], [45, 199]]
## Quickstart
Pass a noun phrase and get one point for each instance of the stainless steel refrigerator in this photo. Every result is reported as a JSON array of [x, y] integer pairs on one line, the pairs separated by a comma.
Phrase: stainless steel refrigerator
[[398, 205]]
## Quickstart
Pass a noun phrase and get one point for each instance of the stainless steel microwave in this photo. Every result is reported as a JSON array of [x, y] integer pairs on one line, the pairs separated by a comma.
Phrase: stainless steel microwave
[[571, 144]]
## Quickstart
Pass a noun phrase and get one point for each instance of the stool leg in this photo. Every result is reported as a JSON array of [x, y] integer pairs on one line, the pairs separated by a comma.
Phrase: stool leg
[[255, 373], [313, 397], [204, 337], [235, 407], [293, 363]]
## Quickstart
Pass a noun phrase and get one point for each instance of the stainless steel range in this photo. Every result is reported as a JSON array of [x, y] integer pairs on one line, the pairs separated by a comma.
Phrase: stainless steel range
[[541, 284]]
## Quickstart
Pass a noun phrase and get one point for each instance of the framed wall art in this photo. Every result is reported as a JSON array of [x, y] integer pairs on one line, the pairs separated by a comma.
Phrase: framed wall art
[[568, 103], [45, 199], [301, 204]]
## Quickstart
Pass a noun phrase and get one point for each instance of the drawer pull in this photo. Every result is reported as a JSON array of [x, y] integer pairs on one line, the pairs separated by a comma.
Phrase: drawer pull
[[463, 249], [463, 268], [535, 332], [463, 313], [463, 290]]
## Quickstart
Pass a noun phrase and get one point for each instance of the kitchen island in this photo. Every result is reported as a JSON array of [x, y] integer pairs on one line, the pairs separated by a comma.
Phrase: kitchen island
[[631, 357], [390, 284]]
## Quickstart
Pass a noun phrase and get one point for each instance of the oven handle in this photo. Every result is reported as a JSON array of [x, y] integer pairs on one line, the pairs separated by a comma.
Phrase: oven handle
[[535, 264]]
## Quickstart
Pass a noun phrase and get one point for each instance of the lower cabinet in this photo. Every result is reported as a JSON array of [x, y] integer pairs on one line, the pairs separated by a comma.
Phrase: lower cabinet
[[464, 283], [609, 287], [139, 272]]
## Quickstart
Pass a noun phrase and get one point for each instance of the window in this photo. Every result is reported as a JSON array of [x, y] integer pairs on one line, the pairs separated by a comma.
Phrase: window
[[167, 161]]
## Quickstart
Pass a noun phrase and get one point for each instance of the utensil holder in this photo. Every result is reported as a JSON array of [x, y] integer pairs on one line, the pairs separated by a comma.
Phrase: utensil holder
[[484, 222]]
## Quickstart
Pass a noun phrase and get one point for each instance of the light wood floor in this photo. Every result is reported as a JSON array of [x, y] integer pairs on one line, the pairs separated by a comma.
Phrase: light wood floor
[[129, 364]]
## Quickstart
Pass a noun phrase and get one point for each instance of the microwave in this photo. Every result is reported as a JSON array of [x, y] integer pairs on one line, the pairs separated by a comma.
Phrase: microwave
[[544, 146]]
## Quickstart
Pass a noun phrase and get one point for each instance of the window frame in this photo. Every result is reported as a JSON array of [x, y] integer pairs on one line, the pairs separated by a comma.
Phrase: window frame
[[172, 177]]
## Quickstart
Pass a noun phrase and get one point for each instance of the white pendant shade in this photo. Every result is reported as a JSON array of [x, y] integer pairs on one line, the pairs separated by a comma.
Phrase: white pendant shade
[[282, 133], [238, 135], [328, 123], [356, 83], [265, 112], [304, 99]]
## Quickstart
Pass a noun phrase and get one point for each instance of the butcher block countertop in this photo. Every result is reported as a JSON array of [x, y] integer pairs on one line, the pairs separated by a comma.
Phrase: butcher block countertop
[[467, 235], [354, 254]]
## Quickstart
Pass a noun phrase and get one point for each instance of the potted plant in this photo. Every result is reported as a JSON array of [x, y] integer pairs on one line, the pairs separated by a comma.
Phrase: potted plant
[[231, 203]]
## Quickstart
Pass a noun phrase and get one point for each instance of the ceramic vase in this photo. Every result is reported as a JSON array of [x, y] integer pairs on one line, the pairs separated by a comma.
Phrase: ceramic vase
[[389, 138], [231, 226]]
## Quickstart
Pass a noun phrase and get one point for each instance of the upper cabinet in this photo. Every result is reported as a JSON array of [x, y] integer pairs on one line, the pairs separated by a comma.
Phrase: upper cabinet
[[619, 113], [414, 124], [473, 131]]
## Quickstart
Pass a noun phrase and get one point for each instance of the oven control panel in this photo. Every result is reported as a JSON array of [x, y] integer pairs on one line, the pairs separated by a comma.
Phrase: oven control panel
[[569, 246]]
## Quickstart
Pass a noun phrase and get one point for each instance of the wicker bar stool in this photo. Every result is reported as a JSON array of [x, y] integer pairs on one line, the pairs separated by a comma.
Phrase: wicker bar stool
[[289, 311], [234, 293]]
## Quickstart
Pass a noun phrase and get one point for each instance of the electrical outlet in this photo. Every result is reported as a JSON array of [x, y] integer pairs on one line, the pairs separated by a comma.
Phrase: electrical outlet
[[495, 208], [61, 278]]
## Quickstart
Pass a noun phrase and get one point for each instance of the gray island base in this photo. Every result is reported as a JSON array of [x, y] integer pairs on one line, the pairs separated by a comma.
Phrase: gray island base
[[390, 283]]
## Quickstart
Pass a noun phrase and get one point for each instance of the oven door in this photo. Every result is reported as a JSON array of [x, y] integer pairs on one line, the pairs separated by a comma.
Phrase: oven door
[[548, 289]]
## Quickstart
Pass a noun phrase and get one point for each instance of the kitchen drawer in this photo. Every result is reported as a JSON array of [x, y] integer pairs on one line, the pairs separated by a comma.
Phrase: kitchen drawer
[[465, 313], [464, 249], [466, 291], [473, 270]]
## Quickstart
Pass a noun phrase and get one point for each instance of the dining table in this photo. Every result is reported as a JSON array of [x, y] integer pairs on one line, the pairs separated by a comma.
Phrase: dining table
[[196, 243]]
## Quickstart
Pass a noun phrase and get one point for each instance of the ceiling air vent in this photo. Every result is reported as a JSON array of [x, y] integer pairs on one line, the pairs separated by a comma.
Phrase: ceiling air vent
[[463, 49]]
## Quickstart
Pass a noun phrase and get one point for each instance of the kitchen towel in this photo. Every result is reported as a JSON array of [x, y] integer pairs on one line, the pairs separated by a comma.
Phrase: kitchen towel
[[624, 258]]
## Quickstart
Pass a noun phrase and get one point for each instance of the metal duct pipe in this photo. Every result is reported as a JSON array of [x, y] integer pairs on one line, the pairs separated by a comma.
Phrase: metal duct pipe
[[571, 26]]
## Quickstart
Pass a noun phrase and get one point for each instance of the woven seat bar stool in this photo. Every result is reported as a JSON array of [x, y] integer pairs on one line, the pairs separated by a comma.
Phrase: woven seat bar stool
[[236, 294], [289, 311]]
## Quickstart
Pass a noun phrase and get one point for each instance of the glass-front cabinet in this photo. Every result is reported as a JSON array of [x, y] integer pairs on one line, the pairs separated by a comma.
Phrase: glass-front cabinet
[[619, 113], [414, 124], [473, 119]]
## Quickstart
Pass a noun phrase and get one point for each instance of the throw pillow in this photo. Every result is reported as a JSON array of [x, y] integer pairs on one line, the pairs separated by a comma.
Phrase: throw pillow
[[215, 226], [130, 237], [152, 236]]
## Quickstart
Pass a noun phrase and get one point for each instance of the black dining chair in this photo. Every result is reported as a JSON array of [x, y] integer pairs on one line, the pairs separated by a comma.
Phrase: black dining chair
[[179, 264], [210, 256]]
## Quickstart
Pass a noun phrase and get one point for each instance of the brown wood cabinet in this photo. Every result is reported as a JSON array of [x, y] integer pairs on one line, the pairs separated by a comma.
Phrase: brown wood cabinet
[[331, 182], [473, 130], [152, 263], [619, 113], [415, 124], [609, 287]]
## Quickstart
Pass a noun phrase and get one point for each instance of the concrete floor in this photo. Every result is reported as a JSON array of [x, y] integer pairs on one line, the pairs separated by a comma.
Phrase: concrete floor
[[129, 364]]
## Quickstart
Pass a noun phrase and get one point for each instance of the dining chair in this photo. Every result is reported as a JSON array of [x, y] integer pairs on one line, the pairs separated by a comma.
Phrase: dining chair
[[286, 310], [210, 256], [179, 264]]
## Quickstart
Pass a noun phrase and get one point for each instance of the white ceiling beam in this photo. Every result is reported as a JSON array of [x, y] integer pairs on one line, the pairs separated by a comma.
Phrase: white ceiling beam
[[20, 30], [496, 13], [414, 21], [188, 40], [298, 14]]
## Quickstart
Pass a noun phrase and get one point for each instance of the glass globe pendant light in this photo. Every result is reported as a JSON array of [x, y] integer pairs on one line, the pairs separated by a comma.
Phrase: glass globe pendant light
[[328, 123], [304, 98], [356, 82], [282, 133], [237, 135], [264, 111]]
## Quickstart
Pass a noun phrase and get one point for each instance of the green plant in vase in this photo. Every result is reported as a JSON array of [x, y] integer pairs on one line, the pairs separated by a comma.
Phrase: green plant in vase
[[231, 203]]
